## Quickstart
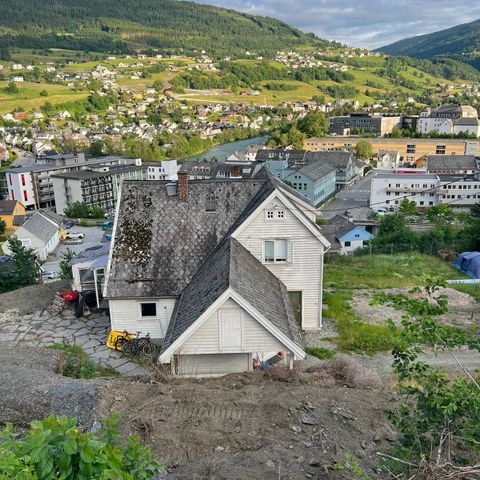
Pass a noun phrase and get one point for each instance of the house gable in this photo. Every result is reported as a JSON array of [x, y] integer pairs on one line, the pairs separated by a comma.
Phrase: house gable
[[356, 234], [204, 336]]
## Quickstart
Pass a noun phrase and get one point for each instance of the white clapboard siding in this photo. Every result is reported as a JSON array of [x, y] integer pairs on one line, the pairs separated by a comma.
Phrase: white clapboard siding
[[126, 315], [305, 272], [219, 364], [207, 338]]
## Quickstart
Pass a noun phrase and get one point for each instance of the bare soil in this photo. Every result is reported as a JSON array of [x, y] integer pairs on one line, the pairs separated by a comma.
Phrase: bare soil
[[463, 311], [249, 426]]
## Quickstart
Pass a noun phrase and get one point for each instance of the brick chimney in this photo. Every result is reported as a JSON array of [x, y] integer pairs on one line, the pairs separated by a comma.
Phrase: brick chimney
[[235, 171], [182, 185]]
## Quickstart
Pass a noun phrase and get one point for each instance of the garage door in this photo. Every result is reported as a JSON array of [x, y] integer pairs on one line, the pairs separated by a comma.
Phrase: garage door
[[216, 364]]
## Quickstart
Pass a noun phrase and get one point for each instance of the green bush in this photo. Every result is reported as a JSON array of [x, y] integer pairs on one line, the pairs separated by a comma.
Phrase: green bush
[[82, 210], [321, 353], [55, 448], [73, 362]]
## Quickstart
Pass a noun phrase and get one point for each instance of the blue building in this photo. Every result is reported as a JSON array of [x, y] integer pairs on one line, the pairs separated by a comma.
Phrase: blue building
[[344, 236], [317, 175]]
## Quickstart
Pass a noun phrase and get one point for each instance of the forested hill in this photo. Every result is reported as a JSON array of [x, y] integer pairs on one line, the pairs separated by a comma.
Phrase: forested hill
[[461, 42], [123, 25]]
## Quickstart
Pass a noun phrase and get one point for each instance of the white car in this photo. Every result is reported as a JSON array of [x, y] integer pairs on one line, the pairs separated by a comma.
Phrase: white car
[[49, 275], [75, 235]]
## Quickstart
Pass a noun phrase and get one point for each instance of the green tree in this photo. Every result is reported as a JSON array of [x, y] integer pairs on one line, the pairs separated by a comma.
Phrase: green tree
[[314, 125], [26, 269], [12, 88], [3, 226], [65, 267], [97, 148], [82, 210], [408, 207], [440, 214], [363, 150], [57, 448]]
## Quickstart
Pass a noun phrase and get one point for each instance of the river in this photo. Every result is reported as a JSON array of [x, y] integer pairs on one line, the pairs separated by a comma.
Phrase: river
[[221, 152]]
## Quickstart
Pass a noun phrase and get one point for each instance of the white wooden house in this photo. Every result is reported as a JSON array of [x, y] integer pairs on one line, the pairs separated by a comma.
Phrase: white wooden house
[[221, 272]]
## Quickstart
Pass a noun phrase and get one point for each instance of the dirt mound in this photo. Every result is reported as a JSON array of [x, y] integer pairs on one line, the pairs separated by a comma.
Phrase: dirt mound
[[31, 390], [29, 299], [244, 426], [462, 308]]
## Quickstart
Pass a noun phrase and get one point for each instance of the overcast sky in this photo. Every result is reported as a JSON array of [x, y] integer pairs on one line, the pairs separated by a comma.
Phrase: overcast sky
[[362, 23]]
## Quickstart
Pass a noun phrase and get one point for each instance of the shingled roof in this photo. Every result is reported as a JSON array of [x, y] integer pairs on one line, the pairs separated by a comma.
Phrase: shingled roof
[[160, 241], [452, 162], [231, 265]]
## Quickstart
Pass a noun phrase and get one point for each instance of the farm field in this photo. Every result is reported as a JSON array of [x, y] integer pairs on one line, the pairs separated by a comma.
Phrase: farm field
[[28, 97]]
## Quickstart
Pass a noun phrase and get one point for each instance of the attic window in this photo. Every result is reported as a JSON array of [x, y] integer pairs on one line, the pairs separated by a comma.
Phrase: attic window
[[211, 203], [274, 214], [148, 309]]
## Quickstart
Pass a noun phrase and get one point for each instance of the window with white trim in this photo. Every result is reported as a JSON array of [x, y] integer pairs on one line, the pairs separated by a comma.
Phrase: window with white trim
[[275, 214], [148, 309], [277, 251]]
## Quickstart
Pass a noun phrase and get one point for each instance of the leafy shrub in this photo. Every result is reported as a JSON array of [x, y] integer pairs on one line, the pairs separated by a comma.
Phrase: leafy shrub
[[321, 353], [55, 448], [73, 362], [82, 210]]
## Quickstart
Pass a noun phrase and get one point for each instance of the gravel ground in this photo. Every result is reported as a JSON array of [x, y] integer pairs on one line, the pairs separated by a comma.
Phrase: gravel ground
[[30, 389]]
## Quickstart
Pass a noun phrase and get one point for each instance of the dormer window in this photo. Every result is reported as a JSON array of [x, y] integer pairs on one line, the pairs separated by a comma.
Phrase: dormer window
[[211, 203]]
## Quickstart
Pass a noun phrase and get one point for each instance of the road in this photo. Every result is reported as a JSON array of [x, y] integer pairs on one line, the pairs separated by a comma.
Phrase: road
[[93, 236]]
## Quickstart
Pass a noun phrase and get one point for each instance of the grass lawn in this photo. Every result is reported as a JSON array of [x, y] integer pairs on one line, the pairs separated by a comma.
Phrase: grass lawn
[[385, 271], [343, 274], [29, 98]]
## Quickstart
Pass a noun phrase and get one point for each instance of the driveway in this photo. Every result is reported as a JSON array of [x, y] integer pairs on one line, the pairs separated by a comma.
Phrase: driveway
[[93, 237], [42, 328]]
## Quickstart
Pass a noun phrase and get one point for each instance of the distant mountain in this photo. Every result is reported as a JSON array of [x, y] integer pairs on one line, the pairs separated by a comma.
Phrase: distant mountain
[[123, 25], [460, 43]]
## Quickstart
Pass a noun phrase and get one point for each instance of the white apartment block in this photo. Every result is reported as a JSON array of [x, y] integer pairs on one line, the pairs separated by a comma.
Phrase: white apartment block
[[459, 192], [164, 170], [389, 189]]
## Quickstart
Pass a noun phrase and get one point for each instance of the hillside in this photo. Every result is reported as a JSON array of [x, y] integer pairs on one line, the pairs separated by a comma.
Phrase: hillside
[[461, 42], [125, 25]]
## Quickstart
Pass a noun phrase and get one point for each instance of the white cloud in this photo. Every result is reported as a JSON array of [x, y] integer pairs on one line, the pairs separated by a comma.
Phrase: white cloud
[[364, 23]]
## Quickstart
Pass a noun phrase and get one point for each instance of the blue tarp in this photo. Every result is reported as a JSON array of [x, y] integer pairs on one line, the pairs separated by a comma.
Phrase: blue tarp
[[469, 263]]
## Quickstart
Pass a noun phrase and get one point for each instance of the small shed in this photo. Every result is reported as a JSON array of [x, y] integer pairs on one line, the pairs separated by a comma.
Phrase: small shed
[[469, 263]]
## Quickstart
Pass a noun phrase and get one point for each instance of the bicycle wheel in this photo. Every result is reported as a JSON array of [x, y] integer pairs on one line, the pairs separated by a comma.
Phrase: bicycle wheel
[[149, 349], [129, 348], [119, 343]]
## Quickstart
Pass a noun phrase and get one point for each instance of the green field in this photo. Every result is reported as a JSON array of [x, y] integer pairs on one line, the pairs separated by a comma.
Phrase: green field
[[29, 97]]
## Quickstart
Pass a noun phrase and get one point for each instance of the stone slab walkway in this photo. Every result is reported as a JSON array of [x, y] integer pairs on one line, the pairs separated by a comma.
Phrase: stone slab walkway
[[43, 329]]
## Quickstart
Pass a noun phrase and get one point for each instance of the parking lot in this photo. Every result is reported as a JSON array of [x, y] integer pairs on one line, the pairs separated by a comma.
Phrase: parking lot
[[93, 236]]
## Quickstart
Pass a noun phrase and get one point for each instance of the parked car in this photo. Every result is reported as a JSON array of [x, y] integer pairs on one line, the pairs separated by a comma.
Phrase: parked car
[[74, 235], [73, 241], [68, 225], [49, 275]]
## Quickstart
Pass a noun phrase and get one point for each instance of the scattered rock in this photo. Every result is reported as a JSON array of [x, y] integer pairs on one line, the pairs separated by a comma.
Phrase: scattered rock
[[219, 449], [270, 464], [296, 428], [364, 444], [315, 463], [307, 419]]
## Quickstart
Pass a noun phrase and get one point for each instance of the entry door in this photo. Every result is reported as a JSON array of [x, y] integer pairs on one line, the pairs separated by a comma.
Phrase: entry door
[[296, 301], [230, 326]]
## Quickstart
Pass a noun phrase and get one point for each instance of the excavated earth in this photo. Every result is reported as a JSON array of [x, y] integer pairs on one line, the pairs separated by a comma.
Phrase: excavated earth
[[235, 427]]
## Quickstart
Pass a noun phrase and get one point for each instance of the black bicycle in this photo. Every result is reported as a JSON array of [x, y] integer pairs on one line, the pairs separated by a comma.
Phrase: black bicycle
[[130, 344]]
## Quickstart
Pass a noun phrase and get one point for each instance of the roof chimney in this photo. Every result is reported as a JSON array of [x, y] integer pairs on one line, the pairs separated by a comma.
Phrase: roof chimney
[[183, 185]]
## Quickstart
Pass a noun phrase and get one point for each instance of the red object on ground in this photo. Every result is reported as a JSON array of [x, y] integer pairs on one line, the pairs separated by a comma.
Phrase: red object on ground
[[69, 296]]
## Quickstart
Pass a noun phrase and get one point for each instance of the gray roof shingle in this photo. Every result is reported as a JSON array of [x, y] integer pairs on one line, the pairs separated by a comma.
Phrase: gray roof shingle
[[40, 227], [231, 265], [160, 242]]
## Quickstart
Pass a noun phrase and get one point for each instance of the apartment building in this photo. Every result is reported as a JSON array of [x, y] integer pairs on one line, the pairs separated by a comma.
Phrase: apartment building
[[459, 192], [164, 170], [389, 189], [450, 119], [364, 122], [93, 187], [453, 164], [33, 186], [410, 149]]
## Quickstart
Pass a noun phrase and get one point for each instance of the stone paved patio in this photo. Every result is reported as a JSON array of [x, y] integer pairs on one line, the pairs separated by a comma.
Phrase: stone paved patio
[[43, 329]]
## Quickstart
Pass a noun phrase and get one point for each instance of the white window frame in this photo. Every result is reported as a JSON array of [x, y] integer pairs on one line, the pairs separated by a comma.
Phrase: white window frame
[[147, 316], [289, 249], [274, 214]]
